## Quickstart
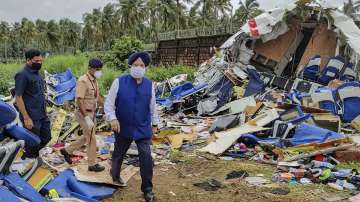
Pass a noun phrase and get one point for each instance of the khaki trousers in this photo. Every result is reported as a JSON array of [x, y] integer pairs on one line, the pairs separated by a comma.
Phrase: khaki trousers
[[88, 138]]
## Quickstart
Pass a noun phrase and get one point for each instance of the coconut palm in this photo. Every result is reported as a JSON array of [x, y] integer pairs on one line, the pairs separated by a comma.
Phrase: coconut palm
[[132, 13], [28, 32], [248, 9], [4, 37]]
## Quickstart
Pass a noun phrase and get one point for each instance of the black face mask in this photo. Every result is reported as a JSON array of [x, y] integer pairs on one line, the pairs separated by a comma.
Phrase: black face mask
[[36, 66]]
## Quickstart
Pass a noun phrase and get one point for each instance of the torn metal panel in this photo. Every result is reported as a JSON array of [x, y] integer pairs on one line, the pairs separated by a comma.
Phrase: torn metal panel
[[286, 45], [228, 138], [350, 30], [280, 29], [224, 123], [266, 21], [237, 106], [207, 106]]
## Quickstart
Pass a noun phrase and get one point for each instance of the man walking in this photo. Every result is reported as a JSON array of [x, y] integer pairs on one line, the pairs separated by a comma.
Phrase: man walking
[[87, 96], [30, 101], [130, 107]]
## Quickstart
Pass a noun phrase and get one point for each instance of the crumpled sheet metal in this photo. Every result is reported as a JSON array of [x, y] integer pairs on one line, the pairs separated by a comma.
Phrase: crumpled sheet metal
[[229, 137]]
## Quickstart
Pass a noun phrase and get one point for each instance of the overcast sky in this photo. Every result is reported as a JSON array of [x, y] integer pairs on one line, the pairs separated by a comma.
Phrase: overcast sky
[[14, 10]]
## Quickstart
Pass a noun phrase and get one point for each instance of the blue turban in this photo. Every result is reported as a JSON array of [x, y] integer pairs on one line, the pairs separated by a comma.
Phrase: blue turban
[[95, 63], [144, 56]]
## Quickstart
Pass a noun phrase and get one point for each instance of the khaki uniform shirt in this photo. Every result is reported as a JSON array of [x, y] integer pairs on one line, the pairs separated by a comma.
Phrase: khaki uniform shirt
[[87, 88]]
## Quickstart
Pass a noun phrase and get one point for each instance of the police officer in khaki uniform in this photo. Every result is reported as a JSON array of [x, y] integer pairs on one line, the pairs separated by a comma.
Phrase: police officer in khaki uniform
[[87, 97]]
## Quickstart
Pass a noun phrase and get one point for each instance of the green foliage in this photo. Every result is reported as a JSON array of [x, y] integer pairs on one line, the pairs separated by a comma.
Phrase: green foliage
[[79, 64], [56, 64], [109, 75], [7, 73], [162, 73], [120, 51]]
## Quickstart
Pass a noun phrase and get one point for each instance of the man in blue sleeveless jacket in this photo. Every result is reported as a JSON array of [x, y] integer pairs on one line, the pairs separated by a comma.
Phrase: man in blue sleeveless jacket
[[131, 109]]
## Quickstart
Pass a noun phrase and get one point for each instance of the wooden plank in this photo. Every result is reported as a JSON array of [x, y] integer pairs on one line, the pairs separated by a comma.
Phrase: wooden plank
[[323, 42], [82, 174]]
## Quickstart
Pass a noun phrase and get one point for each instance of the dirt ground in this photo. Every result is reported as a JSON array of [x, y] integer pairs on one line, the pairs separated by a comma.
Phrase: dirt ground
[[175, 183]]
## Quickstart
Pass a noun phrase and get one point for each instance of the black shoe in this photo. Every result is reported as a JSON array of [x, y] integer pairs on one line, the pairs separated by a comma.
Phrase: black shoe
[[96, 168], [149, 196], [66, 155], [118, 181]]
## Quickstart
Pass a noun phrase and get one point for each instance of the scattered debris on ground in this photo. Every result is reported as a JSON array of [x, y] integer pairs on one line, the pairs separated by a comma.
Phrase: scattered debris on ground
[[294, 113]]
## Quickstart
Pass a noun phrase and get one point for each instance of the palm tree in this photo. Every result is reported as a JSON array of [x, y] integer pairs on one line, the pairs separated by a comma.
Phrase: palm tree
[[132, 13], [70, 34], [109, 25], [53, 35], [248, 9], [42, 39], [182, 14], [206, 11], [4, 36], [28, 32]]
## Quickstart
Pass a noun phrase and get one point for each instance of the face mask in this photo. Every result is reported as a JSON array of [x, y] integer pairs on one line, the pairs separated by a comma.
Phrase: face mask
[[137, 72], [36, 66], [98, 74]]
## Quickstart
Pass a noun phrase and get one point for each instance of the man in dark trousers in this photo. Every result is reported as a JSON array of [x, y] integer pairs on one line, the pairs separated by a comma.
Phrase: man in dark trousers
[[30, 101], [131, 109]]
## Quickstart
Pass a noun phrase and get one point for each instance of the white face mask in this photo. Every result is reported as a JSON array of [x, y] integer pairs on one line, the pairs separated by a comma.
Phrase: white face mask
[[98, 74], [137, 72]]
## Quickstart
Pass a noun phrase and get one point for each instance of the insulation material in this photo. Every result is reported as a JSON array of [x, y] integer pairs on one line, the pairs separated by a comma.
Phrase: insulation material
[[282, 44], [323, 42], [40, 178], [176, 141], [57, 125]]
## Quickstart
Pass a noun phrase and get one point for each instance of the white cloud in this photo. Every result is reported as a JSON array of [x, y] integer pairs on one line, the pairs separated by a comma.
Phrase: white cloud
[[15, 10]]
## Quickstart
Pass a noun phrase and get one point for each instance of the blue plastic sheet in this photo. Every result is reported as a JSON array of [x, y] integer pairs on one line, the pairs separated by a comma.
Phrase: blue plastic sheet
[[20, 133], [305, 133], [67, 185], [8, 114], [7, 196], [21, 188], [256, 85]]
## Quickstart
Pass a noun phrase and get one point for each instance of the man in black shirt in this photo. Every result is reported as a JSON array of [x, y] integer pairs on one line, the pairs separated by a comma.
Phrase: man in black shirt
[[30, 101]]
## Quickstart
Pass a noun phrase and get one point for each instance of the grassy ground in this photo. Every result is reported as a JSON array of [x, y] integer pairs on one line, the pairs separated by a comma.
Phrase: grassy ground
[[175, 183], [79, 65]]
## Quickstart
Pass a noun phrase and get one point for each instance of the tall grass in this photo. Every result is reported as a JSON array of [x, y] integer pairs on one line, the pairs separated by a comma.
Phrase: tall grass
[[79, 65], [56, 64]]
